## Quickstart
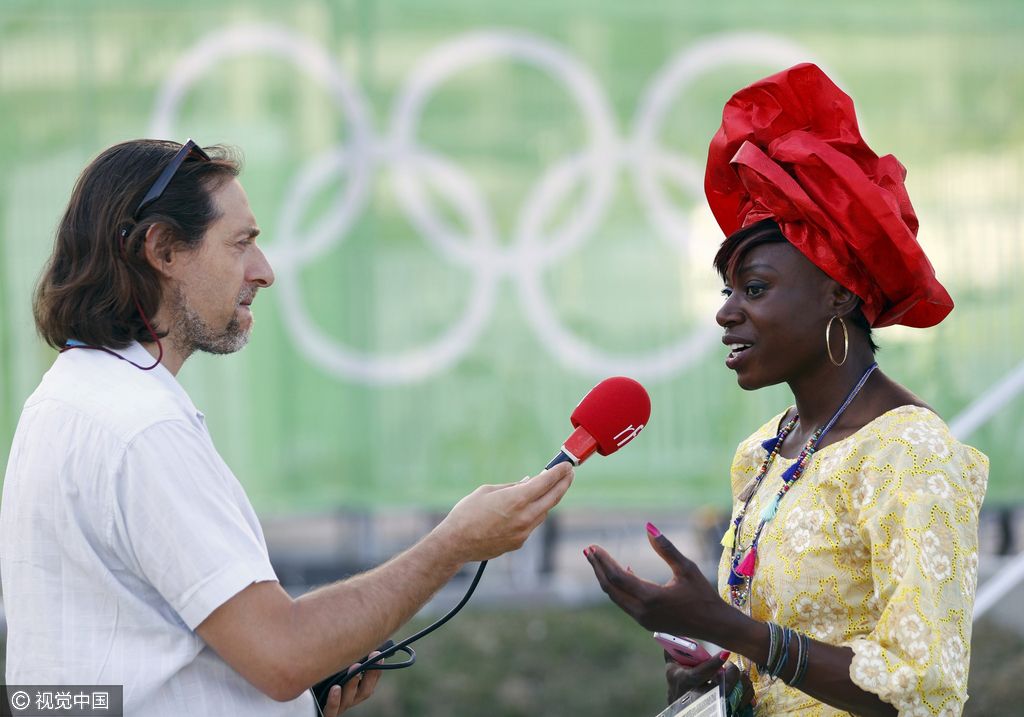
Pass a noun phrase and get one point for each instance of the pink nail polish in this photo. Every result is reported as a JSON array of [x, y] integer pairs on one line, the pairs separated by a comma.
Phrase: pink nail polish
[[724, 655], [652, 531]]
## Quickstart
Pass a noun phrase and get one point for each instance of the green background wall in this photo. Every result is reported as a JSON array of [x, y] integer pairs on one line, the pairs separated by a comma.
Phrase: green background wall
[[390, 223]]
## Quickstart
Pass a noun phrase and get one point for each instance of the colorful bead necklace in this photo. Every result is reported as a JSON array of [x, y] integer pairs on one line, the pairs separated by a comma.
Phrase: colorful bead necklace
[[744, 563]]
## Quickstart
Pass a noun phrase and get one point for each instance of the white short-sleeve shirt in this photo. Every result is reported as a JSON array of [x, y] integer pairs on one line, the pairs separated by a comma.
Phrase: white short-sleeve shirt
[[121, 530]]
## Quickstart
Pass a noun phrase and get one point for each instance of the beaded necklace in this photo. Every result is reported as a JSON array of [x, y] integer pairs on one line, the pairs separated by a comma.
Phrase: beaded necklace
[[744, 563]]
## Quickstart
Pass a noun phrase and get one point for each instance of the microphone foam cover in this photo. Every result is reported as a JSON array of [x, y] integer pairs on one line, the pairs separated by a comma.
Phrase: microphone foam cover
[[613, 412]]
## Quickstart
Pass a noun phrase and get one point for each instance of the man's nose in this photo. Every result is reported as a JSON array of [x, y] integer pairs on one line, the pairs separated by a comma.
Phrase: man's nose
[[260, 272]]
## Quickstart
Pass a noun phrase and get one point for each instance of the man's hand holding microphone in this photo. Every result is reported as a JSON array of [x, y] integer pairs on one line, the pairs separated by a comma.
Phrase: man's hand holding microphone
[[496, 519]]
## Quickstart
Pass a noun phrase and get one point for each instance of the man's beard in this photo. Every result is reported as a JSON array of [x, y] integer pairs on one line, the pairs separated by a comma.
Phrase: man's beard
[[190, 333]]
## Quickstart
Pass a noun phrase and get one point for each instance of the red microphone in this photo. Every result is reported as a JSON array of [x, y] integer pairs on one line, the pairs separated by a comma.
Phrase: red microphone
[[608, 417]]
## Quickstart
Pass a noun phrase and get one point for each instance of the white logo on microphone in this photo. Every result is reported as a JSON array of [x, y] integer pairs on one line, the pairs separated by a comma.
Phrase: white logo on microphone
[[632, 434], [521, 253]]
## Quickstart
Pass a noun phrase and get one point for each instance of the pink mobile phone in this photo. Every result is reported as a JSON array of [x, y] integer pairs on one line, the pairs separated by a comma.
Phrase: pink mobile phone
[[683, 650]]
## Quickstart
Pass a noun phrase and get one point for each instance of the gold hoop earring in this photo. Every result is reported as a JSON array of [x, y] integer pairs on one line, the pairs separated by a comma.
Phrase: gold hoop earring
[[828, 342]]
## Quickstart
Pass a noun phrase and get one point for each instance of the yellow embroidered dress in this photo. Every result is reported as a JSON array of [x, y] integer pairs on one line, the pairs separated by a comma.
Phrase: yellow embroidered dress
[[874, 547]]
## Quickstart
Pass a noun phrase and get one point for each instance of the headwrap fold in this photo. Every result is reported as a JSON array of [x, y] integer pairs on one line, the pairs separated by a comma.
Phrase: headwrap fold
[[789, 149]]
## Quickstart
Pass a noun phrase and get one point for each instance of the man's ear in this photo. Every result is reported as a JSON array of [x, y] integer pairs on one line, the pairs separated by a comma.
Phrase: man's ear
[[158, 248]]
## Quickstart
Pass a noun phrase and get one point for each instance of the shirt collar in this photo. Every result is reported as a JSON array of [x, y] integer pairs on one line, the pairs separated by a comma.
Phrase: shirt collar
[[137, 352]]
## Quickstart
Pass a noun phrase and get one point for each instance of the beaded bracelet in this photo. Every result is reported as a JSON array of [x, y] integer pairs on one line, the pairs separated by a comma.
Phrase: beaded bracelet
[[779, 639], [802, 660], [771, 644], [787, 635], [774, 641], [799, 657]]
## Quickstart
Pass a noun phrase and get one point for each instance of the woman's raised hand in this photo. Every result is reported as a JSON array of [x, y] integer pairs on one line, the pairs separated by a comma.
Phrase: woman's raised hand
[[685, 605]]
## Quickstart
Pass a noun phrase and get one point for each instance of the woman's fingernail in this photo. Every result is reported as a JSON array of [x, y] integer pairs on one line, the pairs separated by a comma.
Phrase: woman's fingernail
[[652, 531], [724, 655], [586, 552]]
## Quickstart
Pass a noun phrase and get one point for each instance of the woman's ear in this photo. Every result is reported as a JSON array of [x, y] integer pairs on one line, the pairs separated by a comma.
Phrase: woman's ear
[[843, 301]]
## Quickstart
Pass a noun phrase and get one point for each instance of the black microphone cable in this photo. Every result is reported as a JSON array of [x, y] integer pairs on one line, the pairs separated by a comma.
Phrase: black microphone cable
[[321, 689]]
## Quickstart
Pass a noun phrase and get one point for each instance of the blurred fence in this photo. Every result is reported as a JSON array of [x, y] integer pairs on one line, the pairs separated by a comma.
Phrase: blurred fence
[[313, 550]]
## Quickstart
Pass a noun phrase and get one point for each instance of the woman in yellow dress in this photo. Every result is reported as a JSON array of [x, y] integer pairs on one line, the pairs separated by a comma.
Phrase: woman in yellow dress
[[849, 567]]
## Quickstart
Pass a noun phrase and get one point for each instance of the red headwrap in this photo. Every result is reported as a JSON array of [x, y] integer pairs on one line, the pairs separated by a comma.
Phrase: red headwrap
[[789, 149]]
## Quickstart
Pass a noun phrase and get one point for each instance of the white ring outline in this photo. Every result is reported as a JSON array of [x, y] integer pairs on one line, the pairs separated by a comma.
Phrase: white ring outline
[[526, 257], [415, 364], [734, 48], [251, 38], [483, 46]]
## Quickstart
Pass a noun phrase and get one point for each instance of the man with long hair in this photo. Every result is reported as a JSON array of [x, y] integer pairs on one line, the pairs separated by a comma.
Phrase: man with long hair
[[129, 552]]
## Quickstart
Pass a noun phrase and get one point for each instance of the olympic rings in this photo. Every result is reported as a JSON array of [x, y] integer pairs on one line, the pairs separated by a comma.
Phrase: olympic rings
[[533, 246]]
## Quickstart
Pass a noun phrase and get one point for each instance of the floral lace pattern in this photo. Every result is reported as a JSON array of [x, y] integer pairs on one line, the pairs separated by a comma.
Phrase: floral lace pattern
[[876, 548]]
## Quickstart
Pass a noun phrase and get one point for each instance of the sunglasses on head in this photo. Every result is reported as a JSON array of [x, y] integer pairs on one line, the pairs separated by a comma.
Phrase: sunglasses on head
[[160, 185]]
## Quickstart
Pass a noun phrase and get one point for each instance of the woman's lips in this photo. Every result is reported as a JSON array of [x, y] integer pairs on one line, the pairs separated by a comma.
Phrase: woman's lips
[[737, 354]]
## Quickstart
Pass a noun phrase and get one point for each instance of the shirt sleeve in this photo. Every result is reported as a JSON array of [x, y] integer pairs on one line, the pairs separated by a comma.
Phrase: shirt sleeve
[[916, 502], [184, 524]]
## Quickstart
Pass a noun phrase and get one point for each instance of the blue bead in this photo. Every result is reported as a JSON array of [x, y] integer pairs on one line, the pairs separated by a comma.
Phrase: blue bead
[[791, 472]]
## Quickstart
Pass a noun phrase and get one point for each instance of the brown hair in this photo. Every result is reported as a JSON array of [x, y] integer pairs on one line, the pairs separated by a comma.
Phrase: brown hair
[[767, 231], [98, 270]]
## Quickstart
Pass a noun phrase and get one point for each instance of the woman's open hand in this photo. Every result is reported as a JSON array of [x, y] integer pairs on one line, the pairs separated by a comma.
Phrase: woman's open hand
[[685, 605]]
